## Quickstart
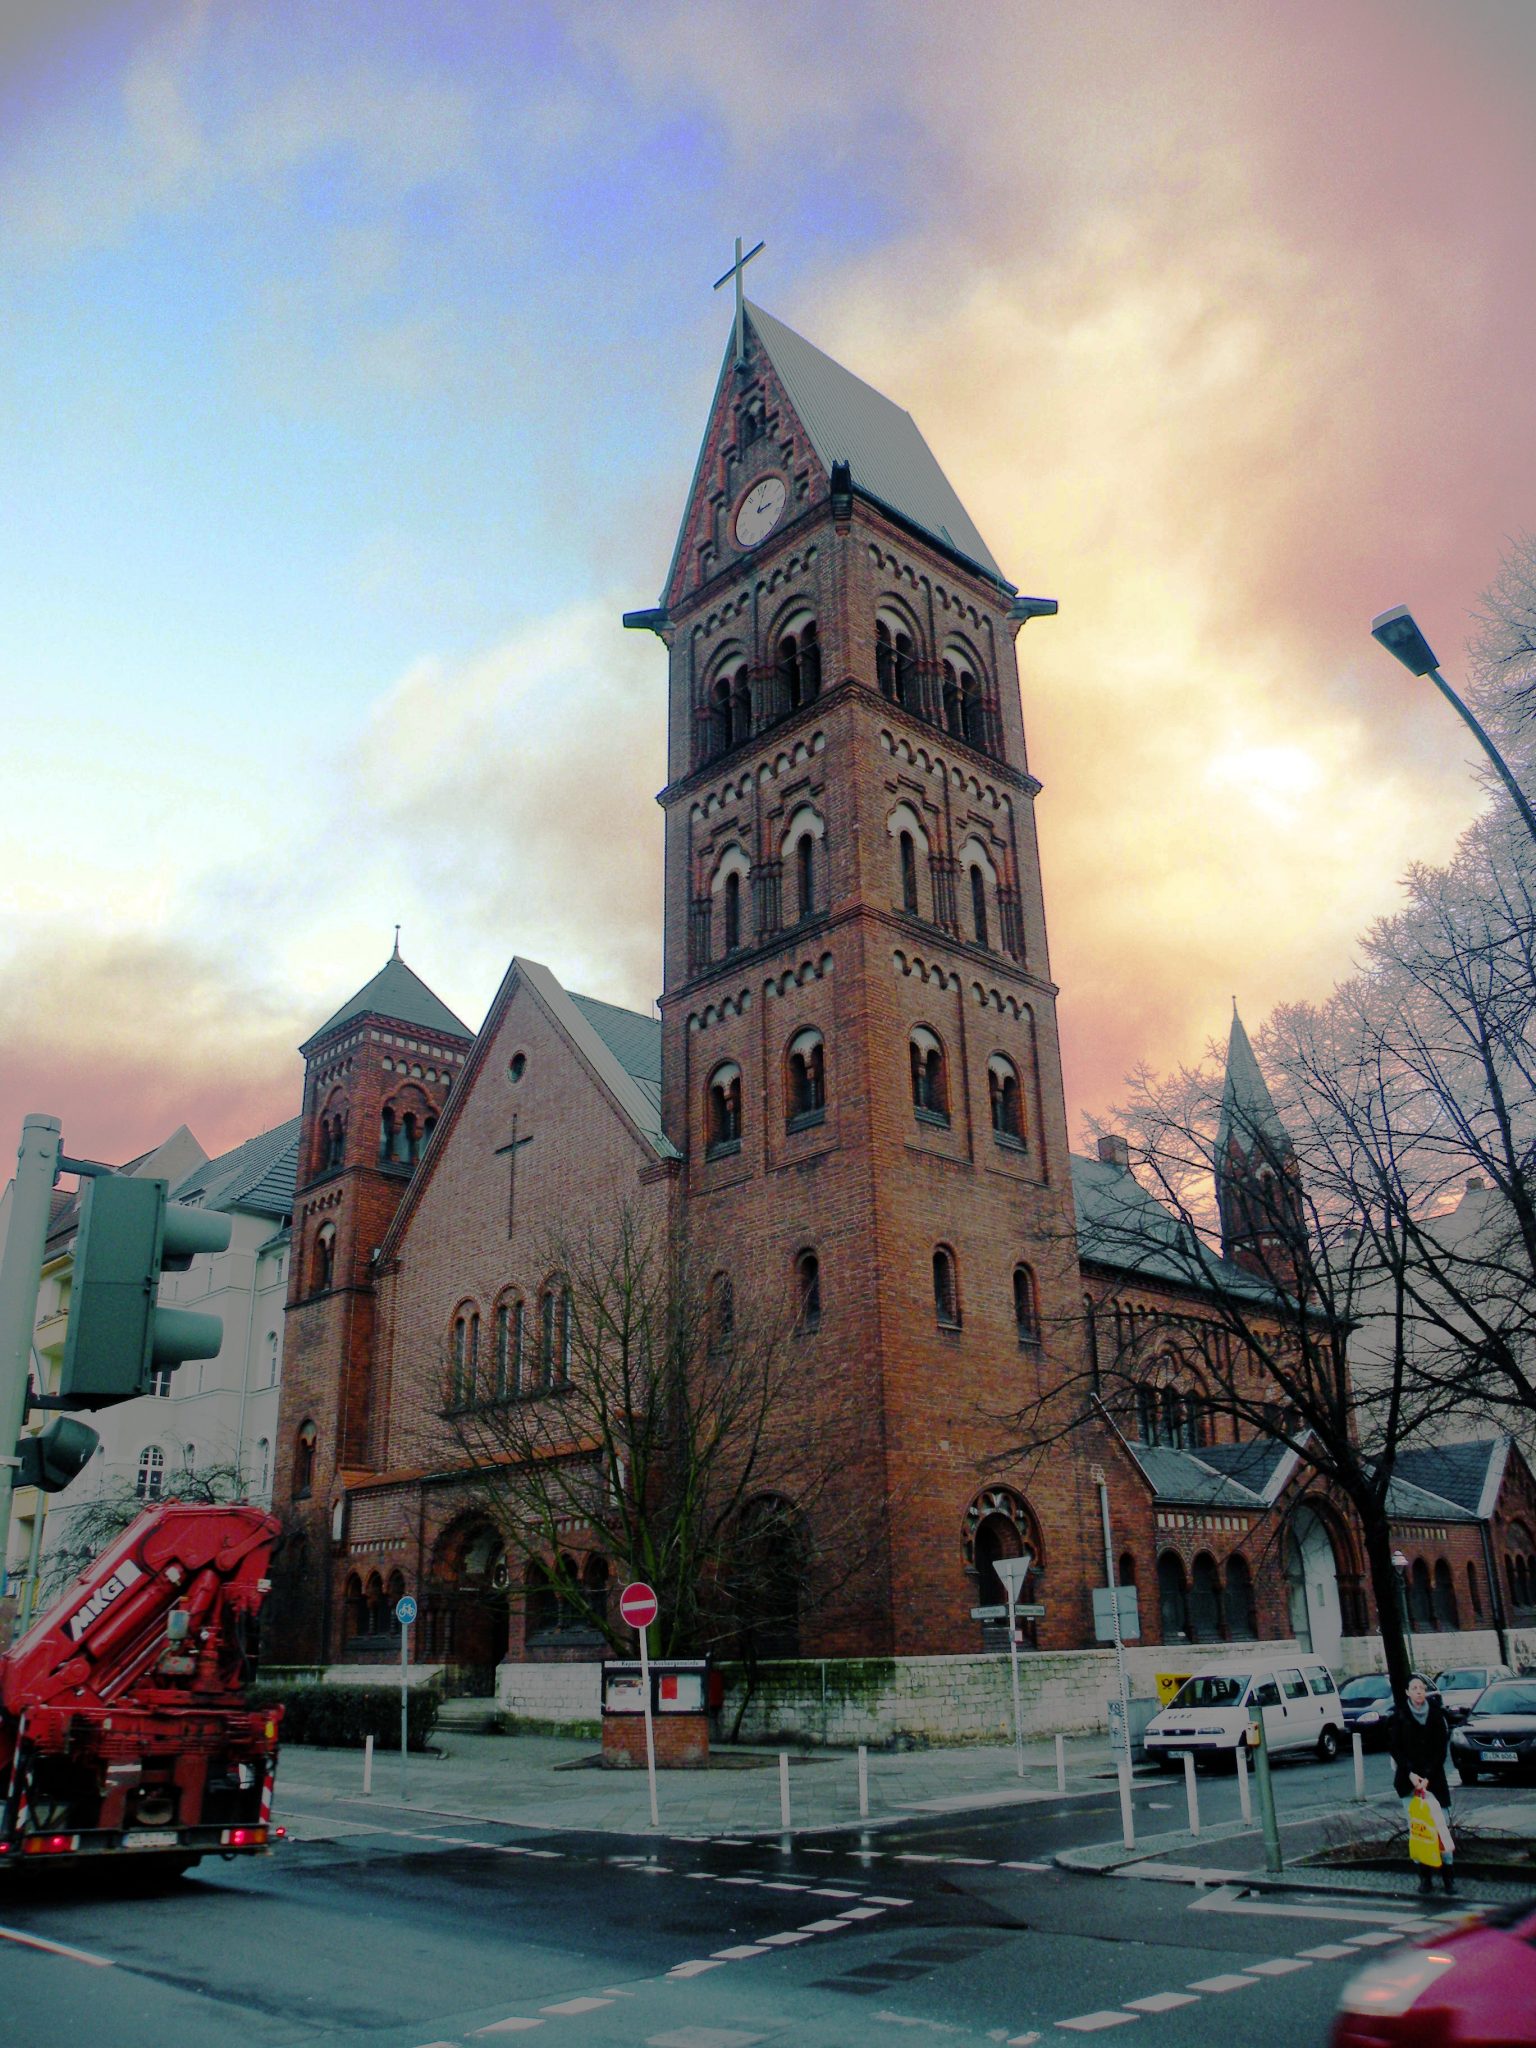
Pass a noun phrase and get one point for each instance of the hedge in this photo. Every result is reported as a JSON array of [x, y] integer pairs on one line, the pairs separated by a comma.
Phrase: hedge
[[342, 1716]]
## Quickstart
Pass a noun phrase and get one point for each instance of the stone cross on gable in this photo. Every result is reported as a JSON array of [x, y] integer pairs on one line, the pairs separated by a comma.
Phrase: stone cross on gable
[[735, 271], [512, 1147]]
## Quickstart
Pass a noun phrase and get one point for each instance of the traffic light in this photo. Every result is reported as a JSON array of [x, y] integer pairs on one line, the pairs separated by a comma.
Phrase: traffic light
[[56, 1454], [117, 1334]]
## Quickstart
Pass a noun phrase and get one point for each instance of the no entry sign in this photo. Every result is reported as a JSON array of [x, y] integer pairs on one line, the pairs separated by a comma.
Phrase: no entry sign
[[638, 1604]]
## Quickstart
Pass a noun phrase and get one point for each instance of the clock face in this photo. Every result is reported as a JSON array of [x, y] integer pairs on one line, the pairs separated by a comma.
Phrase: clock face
[[758, 513]]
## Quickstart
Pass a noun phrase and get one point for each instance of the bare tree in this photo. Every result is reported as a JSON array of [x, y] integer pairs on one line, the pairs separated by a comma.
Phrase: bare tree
[[656, 1417], [93, 1524]]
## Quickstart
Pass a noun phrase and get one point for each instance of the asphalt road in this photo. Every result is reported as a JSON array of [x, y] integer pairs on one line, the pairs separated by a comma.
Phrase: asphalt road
[[415, 1930]]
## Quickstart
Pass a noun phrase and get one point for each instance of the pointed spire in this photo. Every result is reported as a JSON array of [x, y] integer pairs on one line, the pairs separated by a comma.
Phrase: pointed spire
[[396, 955], [1248, 1111]]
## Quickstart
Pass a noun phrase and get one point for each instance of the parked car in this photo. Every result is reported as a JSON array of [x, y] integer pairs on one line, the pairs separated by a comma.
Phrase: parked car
[[1210, 1712], [1459, 1689], [1498, 1738], [1367, 1707], [1472, 1988]]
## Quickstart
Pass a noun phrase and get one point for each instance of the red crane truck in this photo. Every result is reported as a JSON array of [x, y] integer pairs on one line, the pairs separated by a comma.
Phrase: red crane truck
[[123, 1721]]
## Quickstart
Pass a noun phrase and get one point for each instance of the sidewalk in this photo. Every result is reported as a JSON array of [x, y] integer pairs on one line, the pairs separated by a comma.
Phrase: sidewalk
[[541, 1781]]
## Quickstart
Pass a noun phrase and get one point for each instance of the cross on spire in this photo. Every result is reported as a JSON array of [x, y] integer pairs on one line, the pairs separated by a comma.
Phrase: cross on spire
[[735, 271]]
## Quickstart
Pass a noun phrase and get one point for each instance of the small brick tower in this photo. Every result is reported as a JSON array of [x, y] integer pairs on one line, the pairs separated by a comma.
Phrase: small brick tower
[[376, 1076], [860, 1060]]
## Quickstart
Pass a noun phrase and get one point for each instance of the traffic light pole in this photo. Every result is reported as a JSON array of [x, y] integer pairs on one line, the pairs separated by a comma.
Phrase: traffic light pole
[[37, 1161]]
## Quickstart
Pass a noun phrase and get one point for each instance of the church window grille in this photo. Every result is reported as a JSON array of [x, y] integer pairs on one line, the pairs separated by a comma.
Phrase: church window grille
[[724, 1112], [946, 1294], [979, 906], [1026, 1307], [930, 1088], [304, 1461], [908, 873], [806, 1087], [808, 1287], [732, 911], [151, 1474], [1006, 1100]]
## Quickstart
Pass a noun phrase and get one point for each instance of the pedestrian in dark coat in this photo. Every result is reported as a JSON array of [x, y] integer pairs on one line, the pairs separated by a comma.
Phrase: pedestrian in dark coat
[[1421, 1742]]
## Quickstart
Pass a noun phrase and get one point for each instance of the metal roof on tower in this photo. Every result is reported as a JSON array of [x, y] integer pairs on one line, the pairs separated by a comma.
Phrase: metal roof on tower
[[1248, 1111], [890, 462], [398, 993]]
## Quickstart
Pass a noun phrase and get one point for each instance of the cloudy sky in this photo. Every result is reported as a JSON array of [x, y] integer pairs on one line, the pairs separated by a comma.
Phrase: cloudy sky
[[354, 361]]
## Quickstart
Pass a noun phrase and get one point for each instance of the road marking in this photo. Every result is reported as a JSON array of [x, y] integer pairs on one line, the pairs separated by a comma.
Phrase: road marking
[[1181, 1873], [821, 1926], [1229, 1980], [769, 1886], [1227, 1901], [1095, 2022], [1026, 1866], [911, 1856], [1329, 1951], [513, 2026], [1281, 1966], [862, 1913], [1162, 2001], [57, 1948], [1378, 1940], [787, 1940], [830, 1892], [975, 1862], [694, 1969], [739, 1953], [572, 2006], [875, 1899], [702, 2037]]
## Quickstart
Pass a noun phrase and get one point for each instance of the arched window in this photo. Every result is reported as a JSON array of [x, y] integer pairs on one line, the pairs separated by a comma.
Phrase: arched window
[[1146, 1415], [805, 875], [946, 1293], [1005, 1097], [1242, 1624], [501, 1349], [541, 1609], [355, 1607], [805, 1080], [325, 1259], [730, 707], [998, 1526], [547, 1338], [954, 720], [411, 1132], [1026, 1306], [304, 1461], [1474, 1597], [386, 1134], [1127, 1570], [799, 668], [263, 1466], [722, 1311], [731, 908], [373, 1606], [1173, 1598], [151, 1475], [336, 1142], [394, 1589], [930, 1087], [1173, 1417], [723, 1112], [269, 1355], [979, 906], [1421, 1604], [564, 1361], [1205, 1600], [808, 1291], [895, 664], [466, 1358], [907, 851], [1446, 1615]]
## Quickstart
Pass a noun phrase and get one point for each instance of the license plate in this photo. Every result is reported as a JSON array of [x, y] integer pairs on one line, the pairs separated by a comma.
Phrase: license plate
[[1500, 1756], [150, 1838]]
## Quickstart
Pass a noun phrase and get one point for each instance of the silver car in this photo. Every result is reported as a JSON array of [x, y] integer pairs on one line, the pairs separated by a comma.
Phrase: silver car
[[1463, 1685]]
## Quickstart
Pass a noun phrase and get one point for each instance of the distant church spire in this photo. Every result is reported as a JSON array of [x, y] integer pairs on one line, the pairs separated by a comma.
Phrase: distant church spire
[[1257, 1187]]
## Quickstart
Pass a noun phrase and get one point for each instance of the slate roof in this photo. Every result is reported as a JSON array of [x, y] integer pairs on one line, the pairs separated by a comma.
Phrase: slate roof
[[1253, 1464], [1120, 1225], [395, 991], [257, 1176], [623, 1048], [1455, 1472], [1184, 1476], [849, 421], [1247, 1108], [635, 1042]]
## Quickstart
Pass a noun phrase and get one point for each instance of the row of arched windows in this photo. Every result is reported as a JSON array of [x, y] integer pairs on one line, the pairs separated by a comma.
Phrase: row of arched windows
[[1170, 1417], [1432, 1596], [1520, 1570], [369, 1609], [948, 1305], [960, 895], [805, 1091], [719, 926], [1198, 1607], [527, 1353], [729, 717], [957, 699], [401, 1138]]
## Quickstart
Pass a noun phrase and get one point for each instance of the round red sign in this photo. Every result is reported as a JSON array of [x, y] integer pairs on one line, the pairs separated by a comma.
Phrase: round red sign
[[638, 1604]]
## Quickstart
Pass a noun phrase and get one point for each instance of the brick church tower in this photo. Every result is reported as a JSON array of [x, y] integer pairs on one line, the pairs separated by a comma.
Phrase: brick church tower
[[376, 1077], [860, 1053]]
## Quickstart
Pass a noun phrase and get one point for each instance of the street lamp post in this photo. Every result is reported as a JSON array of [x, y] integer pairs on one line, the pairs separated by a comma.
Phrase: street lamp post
[[1399, 633]]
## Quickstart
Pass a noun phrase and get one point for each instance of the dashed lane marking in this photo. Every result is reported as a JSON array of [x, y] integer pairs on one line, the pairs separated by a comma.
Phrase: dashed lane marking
[[1377, 1940], [821, 1926], [1162, 2001], [513, 2026], [572, 2006], [876, 1899], [739, 1953], [694, 1969], [56, 1948], [1095, 2022], [862, 1913], [1026, 1866], [1229, 1980], [1280, 1966], [787, 1939], [1328, 1952], [702, 2037]]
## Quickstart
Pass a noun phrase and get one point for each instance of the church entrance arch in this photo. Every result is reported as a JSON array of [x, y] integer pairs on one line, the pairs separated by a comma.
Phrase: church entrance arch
[[468, 1606], [1312, 1576]]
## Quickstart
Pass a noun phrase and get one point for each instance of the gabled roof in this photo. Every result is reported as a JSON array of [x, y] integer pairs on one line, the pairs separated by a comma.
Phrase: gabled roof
[[257, 1176], [1248, 1111], [1454, 1472], [395, 991], [635, 1042], [849, 421], [1183, 1476], [1120, 1225], [1256, 1464], [622, 1047]]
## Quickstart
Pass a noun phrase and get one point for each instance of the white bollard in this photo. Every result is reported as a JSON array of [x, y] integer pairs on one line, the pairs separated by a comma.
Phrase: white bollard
[[1061, 1764], [1244, 1799], [1359, 1764], [784, 1789], [863, 1782], [1127, 1823], [1190, 1793], [367, 1766]]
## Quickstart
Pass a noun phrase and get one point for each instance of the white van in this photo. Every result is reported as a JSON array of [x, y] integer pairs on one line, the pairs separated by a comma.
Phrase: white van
[[1210, 1712]]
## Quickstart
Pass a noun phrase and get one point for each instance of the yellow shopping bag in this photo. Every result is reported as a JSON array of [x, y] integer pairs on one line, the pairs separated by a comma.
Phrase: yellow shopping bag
[[1423, 1833]]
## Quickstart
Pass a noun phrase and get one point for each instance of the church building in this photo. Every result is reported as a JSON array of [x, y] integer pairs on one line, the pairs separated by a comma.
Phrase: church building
[[853, 1094]]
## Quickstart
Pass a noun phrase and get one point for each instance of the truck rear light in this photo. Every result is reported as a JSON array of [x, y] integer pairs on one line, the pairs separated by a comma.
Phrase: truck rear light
[[244, 1838], [49, 1845]]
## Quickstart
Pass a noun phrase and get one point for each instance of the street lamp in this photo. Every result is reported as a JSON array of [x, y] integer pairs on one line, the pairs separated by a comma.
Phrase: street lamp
[[1398, 632]]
